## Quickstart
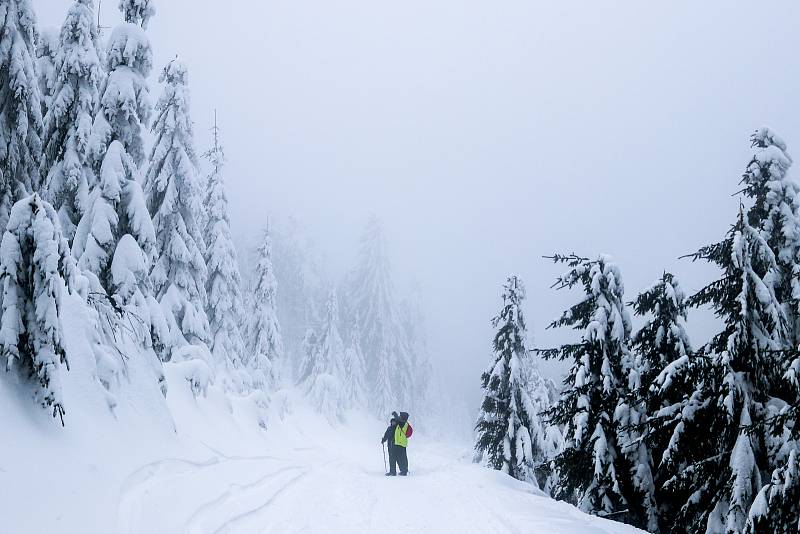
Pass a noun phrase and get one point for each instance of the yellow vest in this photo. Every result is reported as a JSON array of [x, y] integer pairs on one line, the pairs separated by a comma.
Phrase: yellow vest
[[400, 435]]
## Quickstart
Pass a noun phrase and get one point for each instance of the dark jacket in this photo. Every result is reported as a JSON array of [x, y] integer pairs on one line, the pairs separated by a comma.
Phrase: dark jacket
[[388, 436]]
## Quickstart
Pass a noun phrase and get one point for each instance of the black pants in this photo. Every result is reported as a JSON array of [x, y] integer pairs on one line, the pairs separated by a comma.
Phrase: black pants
[[398, 458], [392, 458]]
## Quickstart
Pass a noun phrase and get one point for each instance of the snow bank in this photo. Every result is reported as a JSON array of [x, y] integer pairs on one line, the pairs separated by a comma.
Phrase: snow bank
[[211, 468]]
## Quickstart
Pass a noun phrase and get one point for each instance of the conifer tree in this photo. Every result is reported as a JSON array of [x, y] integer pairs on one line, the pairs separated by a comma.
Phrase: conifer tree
[[115, 238], [776, 201], [547, 440], [35, 270], [323, 371], [662, 351], [125, 107], [354, 369], [374, 301], [67, 126], [137, 11], [594, 471], [46, 50], [662, 340], [116, 209], [505, 420], [777, 506], [301, 300], [179, 274], [776, 509], [776, 213], [267, 344], [224, 281], [413, 322], [20, 106], [712, 468]]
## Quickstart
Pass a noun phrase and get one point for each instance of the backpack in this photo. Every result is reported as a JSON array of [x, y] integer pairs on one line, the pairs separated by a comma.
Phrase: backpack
[[404, 419]]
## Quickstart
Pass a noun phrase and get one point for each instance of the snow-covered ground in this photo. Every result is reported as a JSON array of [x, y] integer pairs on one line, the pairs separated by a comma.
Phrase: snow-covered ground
[[216, 472]]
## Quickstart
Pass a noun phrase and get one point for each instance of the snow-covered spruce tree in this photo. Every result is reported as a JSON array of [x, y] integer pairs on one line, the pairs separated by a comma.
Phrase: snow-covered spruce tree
[[322, 373], [776, 509], [594, 471], [67, 126], [115, 238], [662, 351], [712, 468], [547, 440], [179, 274], [662, 340], [412, 320], [354, 370], [777, 506], [116, 210], [125, 107], [265, 331], [46, 50], [506, 417], [776, 213], [20, 105], [303, 289], [35, 270], [223, 287], [137, 11], [373, 299]]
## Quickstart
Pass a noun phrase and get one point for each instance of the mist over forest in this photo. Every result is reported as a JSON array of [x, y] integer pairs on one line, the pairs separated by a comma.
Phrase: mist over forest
[[555, 247]]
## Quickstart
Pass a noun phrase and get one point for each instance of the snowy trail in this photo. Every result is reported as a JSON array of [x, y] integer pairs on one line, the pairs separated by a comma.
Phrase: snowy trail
[[339, 487]]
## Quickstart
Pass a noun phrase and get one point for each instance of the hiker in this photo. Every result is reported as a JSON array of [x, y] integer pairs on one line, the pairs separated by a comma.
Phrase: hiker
[[402, 432], [397, 436], [388, 438]]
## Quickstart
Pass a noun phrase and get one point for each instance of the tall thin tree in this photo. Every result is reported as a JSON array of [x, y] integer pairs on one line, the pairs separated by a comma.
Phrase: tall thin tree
[[265, 332], [505, 420], [223, 287], [179, 274]]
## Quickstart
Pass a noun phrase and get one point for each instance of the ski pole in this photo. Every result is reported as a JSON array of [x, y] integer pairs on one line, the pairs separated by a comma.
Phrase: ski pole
[[385, 467]]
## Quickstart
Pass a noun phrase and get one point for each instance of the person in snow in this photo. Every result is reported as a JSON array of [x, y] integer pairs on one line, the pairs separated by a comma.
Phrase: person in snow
[[388, 438], [397, 436]]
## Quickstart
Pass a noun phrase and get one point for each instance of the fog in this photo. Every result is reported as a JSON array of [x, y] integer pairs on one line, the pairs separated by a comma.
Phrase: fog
[[487, 134]]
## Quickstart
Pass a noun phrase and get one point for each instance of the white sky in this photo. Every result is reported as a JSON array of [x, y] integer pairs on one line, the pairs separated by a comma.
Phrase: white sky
[[487, 134]]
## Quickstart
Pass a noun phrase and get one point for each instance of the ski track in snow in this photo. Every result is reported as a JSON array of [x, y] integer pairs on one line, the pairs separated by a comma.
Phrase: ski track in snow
[[329, 490], [232, 498]]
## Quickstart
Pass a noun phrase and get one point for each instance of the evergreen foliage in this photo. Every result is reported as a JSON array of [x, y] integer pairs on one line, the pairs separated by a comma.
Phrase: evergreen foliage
[[354, 370], [179, 274], [322, 374], [46, 50], [20, 106], [137, 11], [267, 343], [777, 507], [77, 76], [389, 372], [712, 468], [662, 351], [223, 287], [594, 470], [36, 269], [507, 417]]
